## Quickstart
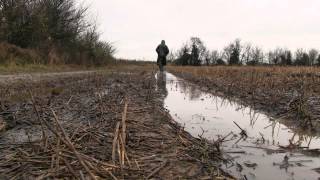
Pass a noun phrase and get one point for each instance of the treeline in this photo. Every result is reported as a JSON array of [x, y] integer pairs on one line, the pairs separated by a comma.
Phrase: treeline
[[194, 52], [50, 32]]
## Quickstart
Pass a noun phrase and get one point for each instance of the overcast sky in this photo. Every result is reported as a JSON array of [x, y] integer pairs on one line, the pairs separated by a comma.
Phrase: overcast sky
[[137, 26]]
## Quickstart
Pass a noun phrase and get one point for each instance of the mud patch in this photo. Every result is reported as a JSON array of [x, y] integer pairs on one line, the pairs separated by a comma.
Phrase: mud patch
[[257, 146], [3, 125], [97, 126]]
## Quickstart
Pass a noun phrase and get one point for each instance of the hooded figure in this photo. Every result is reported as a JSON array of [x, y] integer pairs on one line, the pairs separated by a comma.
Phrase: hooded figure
[[162, 51]]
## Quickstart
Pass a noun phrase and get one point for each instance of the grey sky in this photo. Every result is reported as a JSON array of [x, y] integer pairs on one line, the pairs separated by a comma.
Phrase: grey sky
[[137, 26]]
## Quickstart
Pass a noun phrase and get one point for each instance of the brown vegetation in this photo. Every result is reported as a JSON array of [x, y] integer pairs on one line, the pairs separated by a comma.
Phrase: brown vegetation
[[287, 92], [105, 125], [11, 54]]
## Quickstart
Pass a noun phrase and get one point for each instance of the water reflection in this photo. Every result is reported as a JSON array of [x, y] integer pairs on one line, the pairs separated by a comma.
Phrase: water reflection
[[214, 117], [161, 78]]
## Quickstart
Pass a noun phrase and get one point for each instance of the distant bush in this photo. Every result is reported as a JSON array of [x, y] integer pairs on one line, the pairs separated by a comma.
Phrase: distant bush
[[220, 62], [56, 30], [11, 54]]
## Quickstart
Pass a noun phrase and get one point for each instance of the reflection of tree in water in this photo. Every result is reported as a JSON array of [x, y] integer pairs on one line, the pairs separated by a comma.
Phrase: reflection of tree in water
[[194, 93], [300, 140], [254, 117], [183, 86], [191, 90]]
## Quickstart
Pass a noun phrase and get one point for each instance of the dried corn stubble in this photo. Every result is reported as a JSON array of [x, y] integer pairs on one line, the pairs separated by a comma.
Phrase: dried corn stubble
[[288, 92], [99, 126]]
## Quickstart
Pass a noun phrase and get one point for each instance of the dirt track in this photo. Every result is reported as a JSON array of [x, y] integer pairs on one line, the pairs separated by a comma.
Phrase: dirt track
[[40, 76]]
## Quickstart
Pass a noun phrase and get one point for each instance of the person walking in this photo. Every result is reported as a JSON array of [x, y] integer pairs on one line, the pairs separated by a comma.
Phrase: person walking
[[163, 52]]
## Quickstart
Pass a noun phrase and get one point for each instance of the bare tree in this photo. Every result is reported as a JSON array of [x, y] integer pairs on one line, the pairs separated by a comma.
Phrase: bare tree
[[299, 53], [207, 57], [171, 56], [257, 56], [236, 53], [302, 58], [232, 52], [214, 56], [198, 50], [227, 51], [246, 55], [271, 57], [313, 55], [275, 55], [183, 55]]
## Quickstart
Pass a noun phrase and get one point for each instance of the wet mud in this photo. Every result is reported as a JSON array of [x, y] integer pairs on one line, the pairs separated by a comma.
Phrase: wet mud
[[97, 126], [255, 145]]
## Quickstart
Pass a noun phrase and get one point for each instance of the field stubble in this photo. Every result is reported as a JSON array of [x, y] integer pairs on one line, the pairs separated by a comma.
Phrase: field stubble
[[291, 94], [99, 125]]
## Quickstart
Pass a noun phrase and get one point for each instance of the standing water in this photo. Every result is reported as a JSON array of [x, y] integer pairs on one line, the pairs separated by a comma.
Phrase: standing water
[[256, 157]]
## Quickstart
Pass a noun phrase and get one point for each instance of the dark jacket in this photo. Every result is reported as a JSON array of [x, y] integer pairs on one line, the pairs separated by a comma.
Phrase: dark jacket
[[162, 51]]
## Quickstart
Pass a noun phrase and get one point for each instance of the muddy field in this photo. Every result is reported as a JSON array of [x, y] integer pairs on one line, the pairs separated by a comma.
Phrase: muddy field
[[106, 125], [257, 145], [290, 94]]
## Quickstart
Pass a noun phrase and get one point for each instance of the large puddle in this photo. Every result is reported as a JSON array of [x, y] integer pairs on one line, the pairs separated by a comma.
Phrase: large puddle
[[255, 157]]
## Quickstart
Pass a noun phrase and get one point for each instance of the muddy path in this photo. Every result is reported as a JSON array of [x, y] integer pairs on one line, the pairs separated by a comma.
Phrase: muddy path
[[97, 126], [257, 145], [6, 79]]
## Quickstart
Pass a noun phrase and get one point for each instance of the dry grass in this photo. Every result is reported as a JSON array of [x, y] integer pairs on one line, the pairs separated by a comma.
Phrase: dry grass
[[276, 78], [97, 126], [293, 91], [37, 68], [14, 59], [13, 68], [11, 54], [12, 85]]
